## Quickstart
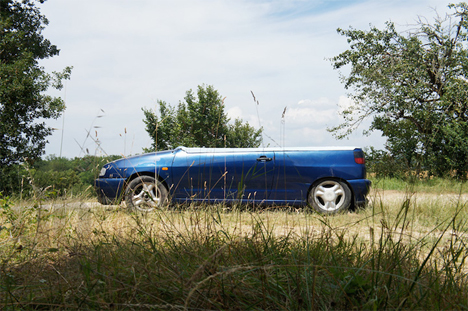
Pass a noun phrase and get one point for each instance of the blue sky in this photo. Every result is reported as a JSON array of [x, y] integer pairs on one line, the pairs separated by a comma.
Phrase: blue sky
[[130, 54]]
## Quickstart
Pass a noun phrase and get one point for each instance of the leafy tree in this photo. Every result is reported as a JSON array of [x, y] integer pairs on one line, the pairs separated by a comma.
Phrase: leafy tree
[[23, 105], [200, 121], [242, 135], [414, 87]]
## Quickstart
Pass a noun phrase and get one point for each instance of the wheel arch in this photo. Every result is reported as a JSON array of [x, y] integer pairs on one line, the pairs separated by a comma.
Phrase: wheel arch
[[139, 174], [316, 182]]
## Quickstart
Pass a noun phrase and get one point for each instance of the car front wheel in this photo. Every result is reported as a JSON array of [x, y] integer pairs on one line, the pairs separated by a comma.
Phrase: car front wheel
[[330, 196], [145, 194]]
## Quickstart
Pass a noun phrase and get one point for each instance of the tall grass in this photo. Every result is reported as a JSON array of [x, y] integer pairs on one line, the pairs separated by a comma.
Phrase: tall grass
[[394, 255]]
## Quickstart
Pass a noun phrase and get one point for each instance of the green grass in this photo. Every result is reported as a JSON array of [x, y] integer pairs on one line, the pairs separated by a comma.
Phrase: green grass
[[433, 185], [403, 254]]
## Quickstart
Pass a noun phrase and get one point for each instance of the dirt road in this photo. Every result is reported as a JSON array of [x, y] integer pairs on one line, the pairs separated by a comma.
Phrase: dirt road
[[397, 197]]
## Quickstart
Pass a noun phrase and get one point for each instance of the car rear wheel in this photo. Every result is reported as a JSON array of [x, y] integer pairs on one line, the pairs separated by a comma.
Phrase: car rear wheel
[[145, 194], [330, 196]]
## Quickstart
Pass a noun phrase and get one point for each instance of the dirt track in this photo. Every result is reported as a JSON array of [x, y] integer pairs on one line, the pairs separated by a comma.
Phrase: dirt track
[[376, 195], [393, 196]]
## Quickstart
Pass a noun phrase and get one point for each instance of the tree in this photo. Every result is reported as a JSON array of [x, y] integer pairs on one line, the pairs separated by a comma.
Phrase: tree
[[414, 87], [23, 105], [200, 121]]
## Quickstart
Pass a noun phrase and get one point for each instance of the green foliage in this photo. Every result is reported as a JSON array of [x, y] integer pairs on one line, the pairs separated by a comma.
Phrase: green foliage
[[414, 87], [59, 181], [242, 135], [6, 210], [12, 178], [381, 163], [200, 121], [63, 175], [23, 104], [17, 222], [405, 183], [59, 176]]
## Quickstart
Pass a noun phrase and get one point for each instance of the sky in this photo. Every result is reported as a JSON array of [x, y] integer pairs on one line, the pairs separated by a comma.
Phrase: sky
[[127, 55]]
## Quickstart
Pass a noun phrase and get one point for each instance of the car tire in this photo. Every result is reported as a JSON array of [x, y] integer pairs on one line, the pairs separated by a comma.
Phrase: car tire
[[330, 196], [145, 194]]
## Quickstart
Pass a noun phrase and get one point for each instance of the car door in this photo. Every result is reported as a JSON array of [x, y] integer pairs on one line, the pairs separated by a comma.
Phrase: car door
[[237, 174], [218, 173], [222, 174], [295, 173], [204, 174], [257, 175]]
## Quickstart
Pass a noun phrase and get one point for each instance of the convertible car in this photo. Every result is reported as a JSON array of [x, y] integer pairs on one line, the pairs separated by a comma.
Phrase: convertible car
[[327, 179]]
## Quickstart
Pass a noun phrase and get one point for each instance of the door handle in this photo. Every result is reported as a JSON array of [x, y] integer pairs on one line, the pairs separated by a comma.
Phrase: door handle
[[264, 159]]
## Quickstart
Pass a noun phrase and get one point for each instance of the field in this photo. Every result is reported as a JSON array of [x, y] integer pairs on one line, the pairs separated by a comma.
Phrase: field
[[406, 250]]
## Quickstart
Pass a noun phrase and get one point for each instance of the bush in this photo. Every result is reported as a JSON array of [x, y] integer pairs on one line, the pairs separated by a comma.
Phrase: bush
[[12, 179], [59, 175]]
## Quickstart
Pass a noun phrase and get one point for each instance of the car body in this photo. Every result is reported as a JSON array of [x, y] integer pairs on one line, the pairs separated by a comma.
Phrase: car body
[[328, 179]]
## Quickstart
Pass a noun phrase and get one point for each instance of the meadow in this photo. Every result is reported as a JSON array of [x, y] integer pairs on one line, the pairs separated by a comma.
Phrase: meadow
[[405, 250]]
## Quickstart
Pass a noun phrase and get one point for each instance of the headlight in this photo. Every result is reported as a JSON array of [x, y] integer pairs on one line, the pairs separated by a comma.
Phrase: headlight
[[102, 172]]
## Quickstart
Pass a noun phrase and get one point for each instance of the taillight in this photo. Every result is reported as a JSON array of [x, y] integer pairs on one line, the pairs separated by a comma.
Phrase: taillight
[[359, 157]]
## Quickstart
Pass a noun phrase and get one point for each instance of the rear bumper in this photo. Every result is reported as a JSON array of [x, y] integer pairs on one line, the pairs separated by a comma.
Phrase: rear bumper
[[109, 190], [360, 188]]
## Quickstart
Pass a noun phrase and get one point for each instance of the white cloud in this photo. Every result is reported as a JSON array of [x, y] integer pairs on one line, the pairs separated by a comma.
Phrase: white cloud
[[344, 103], [311, 114], [234, 112]]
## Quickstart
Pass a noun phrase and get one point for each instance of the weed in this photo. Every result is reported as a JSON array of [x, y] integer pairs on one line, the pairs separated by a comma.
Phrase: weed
[[213, 257]]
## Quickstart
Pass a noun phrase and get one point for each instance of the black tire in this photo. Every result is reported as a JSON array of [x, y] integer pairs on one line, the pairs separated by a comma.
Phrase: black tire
[[145, 194], [330, 196]]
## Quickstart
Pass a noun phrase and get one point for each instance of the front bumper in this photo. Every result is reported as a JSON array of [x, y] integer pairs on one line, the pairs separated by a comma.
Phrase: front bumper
[[109, 190]]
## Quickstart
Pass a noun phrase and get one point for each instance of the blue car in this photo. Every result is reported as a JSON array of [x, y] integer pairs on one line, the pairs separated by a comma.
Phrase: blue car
[[329, 180]]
